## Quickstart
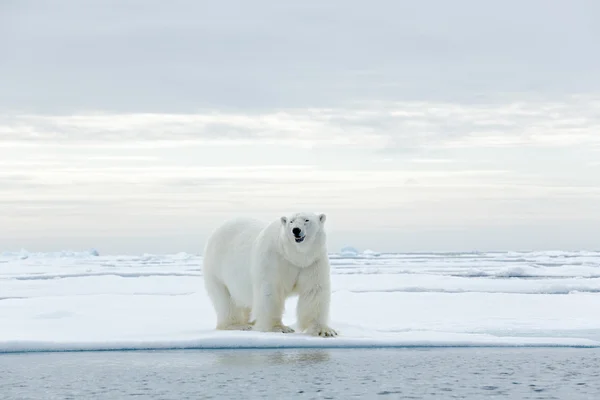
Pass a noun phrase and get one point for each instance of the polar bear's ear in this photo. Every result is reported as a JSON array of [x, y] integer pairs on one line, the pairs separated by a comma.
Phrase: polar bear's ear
[[283, 220], [322, 218]]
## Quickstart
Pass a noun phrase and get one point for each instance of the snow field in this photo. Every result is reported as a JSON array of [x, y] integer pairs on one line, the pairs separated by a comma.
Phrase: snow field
[[70, 301]]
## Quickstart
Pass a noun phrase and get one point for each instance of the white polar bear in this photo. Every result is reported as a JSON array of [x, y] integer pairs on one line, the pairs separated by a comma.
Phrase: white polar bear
[[250, 267]]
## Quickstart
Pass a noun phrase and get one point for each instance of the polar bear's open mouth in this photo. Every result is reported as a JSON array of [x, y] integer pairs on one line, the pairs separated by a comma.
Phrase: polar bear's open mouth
[[299, 239]]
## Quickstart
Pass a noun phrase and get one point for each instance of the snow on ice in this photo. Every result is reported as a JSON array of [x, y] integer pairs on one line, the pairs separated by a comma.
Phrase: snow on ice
[[68, 301]]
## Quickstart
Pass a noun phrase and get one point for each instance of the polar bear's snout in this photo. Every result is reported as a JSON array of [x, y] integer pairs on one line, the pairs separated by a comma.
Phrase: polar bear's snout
[[298, 235]]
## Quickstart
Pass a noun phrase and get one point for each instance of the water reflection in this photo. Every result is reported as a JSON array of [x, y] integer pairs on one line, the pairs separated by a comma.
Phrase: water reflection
[[244, 358]]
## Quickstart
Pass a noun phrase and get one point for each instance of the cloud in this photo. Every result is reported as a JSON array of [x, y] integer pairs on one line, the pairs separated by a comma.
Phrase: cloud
[[432, 161], [128, 119], [378, 127], [156, 56]]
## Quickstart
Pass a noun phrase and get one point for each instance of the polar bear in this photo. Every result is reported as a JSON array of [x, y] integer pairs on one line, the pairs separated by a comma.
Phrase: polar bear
[[251, 268]]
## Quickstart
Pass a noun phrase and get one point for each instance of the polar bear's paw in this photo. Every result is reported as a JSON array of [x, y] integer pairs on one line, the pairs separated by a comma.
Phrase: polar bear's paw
[[323, 331], [235, 327], [245, 327], [280, 328], [283, 329]]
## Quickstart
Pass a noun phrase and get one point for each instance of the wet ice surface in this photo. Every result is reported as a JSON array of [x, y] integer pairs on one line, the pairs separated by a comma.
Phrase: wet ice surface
[[81, 301], [510, 373]]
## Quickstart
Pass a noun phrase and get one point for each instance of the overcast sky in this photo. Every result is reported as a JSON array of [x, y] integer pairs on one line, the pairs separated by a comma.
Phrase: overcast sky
[[139, 126]]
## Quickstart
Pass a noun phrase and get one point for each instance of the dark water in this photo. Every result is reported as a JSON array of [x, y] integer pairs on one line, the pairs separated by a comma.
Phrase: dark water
[[307, 374]]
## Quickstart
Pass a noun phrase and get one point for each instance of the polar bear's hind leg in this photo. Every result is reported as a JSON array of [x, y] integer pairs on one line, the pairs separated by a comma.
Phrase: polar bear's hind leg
[[229, 315]]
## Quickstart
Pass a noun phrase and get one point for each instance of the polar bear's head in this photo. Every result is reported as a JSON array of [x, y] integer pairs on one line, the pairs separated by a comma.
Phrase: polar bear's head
[[303, 228]]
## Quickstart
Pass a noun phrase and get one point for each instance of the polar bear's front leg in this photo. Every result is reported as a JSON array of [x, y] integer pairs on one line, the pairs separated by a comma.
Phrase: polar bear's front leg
[[268, 305], [313, 309]]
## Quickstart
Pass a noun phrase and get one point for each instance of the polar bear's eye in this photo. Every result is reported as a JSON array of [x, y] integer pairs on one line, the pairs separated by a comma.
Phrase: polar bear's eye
[[305, 220]]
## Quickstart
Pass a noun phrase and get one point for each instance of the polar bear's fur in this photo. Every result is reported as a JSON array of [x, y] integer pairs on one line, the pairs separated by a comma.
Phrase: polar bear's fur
[[252, 268]]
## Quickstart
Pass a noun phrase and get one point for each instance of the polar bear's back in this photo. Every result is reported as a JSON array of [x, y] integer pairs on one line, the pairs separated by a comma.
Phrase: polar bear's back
[[227, 255]]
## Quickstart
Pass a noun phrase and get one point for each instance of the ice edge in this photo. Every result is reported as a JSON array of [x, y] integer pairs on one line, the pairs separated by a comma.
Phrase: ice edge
[[12, 347]]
